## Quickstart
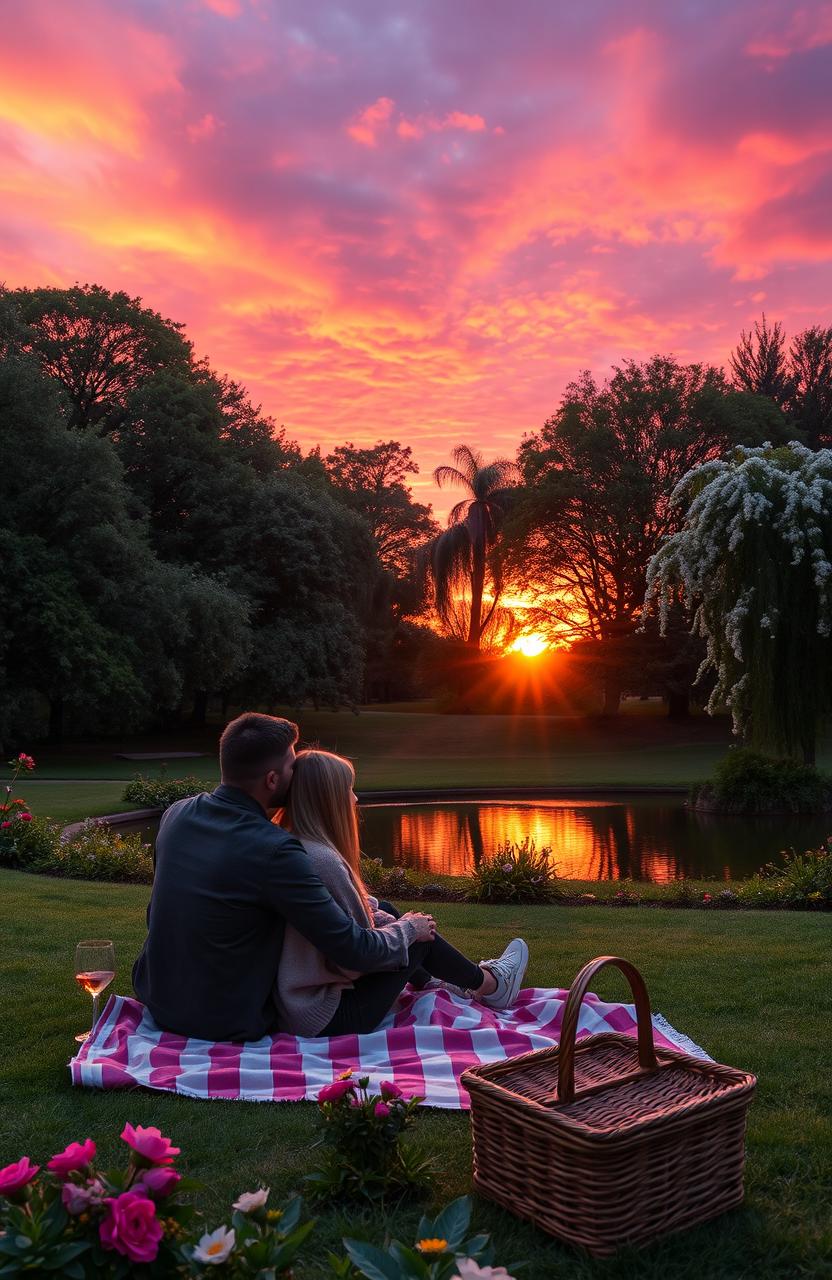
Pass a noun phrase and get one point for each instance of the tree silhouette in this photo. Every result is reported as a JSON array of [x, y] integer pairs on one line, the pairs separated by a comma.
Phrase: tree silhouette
[[459, 559]]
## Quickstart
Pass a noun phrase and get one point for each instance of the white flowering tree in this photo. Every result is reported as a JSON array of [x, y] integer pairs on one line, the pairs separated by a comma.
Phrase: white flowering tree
[[753, 562]]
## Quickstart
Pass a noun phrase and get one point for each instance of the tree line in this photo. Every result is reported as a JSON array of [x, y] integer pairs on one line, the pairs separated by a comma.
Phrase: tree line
[[165, 543]]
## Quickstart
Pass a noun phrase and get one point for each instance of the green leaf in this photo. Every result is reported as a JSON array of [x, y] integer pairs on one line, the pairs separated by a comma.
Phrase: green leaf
[[58, 1258], [454, 1221], [411, 1262], [284, 1255], [373, 1263]]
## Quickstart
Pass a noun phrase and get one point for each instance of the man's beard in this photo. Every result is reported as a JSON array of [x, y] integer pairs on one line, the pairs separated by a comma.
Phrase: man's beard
[[278, 797]]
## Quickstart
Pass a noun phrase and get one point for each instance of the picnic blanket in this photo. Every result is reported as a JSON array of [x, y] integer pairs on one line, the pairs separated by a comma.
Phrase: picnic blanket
[[424, 1044]]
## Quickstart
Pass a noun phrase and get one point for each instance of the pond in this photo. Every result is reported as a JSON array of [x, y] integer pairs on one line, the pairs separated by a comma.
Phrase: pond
[[599, 838]]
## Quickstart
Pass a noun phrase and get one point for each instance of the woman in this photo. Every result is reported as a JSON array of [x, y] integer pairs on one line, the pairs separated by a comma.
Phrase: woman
[[314, 998]]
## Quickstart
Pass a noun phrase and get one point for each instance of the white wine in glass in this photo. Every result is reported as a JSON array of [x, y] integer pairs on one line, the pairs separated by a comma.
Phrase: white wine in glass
[[95, 968]]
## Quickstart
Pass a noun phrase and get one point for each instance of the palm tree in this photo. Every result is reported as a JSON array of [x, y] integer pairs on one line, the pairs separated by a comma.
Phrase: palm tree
[[461, 555]]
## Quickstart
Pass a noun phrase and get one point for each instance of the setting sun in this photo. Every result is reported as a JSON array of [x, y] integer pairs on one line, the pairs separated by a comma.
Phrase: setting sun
[[530, 646]]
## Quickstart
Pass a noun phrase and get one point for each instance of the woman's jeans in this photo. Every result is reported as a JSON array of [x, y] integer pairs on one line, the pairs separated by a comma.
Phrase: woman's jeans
[[362, 1006]]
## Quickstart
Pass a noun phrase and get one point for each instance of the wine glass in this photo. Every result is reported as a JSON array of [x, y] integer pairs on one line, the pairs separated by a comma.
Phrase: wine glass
[[95, 968]]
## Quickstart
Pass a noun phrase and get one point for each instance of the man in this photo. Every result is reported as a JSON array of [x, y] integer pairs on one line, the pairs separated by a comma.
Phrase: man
[[226, 881]]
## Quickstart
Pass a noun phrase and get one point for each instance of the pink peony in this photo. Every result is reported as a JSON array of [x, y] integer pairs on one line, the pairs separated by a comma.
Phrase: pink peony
[[74, 1159], [149, 1145], [335, 1091], [77, 1199], [158, 1182], [382, 1110], [131, 1227], [389, 1090], [16, 1176]]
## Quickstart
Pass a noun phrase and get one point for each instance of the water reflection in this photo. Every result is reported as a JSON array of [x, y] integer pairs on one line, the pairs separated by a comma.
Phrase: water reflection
[[651, 838]]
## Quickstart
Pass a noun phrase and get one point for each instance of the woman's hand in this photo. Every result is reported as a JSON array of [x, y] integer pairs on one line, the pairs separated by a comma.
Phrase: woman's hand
[[425, 925]]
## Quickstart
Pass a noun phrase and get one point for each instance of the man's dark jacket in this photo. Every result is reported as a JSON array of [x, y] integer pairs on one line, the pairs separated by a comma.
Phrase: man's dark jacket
[[227, 881]]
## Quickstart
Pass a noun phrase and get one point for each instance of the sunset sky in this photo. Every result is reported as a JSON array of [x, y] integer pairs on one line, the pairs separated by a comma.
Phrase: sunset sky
[[420, 218]]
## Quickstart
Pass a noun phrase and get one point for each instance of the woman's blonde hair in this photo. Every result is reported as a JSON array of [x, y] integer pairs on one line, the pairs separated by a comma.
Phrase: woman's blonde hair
[[321, 807]]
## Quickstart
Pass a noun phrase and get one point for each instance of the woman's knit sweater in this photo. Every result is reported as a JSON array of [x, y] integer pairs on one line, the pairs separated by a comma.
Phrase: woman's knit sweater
[[308, 988]]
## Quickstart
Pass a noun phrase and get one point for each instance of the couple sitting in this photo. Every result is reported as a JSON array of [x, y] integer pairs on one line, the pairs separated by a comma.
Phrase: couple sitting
[[258, 925]]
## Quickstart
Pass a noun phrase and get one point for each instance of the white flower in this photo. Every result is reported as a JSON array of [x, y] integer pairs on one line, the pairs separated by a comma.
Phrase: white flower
[[214, 1247], [468, 1269], [251, 1200]]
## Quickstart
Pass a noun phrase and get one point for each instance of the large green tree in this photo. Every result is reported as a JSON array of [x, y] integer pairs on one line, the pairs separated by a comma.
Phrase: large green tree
[[99, 346], [373, 482], [94, 628], [599, 476], [465, 560]]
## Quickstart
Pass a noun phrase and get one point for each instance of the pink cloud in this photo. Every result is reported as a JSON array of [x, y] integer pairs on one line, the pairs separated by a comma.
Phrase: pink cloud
[[322, 195]]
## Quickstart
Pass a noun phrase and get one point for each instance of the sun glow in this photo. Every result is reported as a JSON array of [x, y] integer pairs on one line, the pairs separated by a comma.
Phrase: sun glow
[[531, 646]]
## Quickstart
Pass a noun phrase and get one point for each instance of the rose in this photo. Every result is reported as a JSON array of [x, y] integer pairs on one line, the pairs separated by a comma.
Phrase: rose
[[158, 1181], [131, 1227], [251, 1200], [77, 1199], [389, 1090], [382, 1110], [75, 1159], [25, 817], [14, 1177], [335, 1091], [214, 1247], [149, 1145]]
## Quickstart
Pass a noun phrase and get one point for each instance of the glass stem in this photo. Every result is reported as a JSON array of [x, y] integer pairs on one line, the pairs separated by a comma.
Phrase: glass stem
[[94, 1011]]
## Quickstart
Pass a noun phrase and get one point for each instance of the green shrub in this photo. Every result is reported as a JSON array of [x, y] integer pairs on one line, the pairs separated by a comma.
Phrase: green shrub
[[804, 881], [748, 782], [516, 873], [32, 846], [98, 852], [161, 792], [388, 882]]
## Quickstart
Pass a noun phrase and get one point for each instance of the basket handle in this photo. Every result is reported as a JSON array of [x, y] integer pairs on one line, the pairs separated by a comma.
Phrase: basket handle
[[566, 1056]]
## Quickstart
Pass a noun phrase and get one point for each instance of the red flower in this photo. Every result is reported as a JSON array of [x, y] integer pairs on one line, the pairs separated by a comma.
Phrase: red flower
[[382, 1110], [131, 1227], [25, 817], [75, 1159], [5, 824], [389, 1090], [333, 1092], [16, 1176], [26, 761], [149, 1145]]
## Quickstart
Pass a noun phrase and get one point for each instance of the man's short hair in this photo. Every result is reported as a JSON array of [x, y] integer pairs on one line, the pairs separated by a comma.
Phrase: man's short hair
[[252, 744]]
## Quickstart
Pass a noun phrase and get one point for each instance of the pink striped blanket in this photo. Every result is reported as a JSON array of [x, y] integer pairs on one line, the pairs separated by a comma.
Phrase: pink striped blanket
[[424, 1044]]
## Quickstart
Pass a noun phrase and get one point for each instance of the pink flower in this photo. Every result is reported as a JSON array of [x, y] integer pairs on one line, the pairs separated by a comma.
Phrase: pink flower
[[74, 1159], [16, 1176], [507, 867], [158, 1182], [706, 897], [5, 824], [389, 1090], [333, 1092], [78, 1199], [131, 1227], [382, 1110], [149, 1145], [25, 817], [26, 761]]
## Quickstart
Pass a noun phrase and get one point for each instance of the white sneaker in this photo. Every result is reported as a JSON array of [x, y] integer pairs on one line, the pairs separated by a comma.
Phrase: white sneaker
[[509, 970]]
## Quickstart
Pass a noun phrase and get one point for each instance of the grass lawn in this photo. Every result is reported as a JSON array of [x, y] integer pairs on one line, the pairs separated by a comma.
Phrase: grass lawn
[[754, 989]]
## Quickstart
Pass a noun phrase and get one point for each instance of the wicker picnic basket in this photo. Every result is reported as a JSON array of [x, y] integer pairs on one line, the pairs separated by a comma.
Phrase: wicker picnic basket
[[610, 1141]]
